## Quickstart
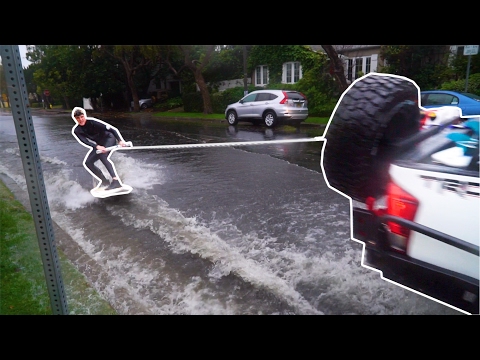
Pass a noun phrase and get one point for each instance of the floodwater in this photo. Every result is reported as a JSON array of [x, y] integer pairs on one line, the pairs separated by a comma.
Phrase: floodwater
[[216, 230]]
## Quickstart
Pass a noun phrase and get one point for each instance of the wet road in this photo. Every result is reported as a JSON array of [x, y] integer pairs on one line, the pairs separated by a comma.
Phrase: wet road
[[224, 230]]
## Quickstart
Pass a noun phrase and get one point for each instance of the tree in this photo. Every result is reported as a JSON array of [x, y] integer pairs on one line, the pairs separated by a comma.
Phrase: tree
[[197, 67], [226, 64], [320, 87], [459, 64], [132, 58], [104, 79], [336, 67], [73, 72], [427, 65], [28, 73], [196, 58], [60, 69]]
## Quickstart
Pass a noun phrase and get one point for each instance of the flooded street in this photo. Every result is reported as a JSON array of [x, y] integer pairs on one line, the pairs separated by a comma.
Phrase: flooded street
[[226, 230]]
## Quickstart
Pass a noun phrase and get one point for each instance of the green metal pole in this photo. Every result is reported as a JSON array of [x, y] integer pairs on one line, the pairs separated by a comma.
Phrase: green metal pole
[[17, 92]]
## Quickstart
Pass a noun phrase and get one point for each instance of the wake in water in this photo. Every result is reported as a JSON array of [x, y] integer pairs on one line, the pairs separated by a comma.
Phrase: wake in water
[[146, 256]]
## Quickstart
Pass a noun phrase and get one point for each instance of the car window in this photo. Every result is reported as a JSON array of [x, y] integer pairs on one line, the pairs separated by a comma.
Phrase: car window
[[263, 96], [440, 99], [249, 98], [294, 95], [471, 96], [423, 99], [266, 96]]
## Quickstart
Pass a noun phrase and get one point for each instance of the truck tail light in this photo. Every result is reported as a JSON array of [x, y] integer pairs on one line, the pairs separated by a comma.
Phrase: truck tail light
[[401, 204], [426, 116]]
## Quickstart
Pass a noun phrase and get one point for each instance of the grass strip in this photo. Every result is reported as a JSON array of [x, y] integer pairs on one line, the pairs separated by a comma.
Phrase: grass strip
[[23, 289]]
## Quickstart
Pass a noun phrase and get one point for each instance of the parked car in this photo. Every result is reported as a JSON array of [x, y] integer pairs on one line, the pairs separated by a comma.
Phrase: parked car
[[415, 193], [469, 103], [144, 103], [270, 106]]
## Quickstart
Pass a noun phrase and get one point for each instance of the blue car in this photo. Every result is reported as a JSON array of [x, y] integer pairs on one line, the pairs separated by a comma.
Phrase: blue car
[[469, 103]]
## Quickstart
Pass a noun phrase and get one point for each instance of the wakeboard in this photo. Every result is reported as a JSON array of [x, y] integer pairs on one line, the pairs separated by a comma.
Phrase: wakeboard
[[101, 192]]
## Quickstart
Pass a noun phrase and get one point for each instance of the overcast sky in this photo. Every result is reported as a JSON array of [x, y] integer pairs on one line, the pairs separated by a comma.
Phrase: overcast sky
[[23, 51]]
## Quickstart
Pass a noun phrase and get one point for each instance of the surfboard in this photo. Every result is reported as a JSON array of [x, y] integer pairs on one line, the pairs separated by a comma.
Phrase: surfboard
[[103, 193]]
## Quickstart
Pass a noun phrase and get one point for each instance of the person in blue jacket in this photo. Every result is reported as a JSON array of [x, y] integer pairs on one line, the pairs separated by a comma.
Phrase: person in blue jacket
[[97, 135]]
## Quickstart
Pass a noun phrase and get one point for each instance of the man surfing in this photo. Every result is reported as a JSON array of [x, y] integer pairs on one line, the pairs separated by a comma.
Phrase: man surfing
[[98, 135]]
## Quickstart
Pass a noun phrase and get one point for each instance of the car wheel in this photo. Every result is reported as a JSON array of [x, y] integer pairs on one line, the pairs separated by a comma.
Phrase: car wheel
[[232, 118], [143, 107], [375, 113], [270, 119]]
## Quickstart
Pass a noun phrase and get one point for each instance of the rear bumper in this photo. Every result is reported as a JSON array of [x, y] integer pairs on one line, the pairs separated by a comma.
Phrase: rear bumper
[[294, 114], [455, 289]]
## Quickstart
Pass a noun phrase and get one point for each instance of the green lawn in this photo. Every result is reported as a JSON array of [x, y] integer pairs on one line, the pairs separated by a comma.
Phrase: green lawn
[[181, 114], [23, 289]]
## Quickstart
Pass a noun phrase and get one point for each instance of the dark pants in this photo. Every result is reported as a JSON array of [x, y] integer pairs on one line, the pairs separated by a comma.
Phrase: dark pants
[[108, 141]]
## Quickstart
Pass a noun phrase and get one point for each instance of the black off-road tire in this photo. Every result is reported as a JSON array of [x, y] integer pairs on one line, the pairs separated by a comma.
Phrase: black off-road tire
[[375, 113]]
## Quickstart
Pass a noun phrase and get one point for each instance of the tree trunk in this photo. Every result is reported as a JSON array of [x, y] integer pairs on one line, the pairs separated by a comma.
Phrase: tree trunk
[[207, 103], [127, 55], [197, 68], [338, 71], [131, 85], [67, 102], [94, 103], [133, 89]]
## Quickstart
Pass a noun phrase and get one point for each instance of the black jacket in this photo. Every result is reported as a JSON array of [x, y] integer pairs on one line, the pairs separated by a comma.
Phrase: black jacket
[[95, 132]]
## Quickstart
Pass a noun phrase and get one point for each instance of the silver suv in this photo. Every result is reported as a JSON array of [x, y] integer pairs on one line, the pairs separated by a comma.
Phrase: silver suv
[[270, 106]]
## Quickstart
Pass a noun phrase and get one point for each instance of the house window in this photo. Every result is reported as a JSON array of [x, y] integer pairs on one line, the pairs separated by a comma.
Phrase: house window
[[350, 68], [292, 72], [363, 64], [368, 64], [358, 67], [261, 75]]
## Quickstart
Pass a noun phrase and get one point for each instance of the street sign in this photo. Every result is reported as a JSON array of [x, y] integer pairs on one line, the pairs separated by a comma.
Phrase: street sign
[[470, 50]]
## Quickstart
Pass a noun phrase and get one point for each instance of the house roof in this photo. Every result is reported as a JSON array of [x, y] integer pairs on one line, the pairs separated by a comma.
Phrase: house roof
[[344, 48], [316, 48], [347, 48]]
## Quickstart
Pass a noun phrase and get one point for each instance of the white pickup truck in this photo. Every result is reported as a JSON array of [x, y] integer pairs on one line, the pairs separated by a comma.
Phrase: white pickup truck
[[413, 180]]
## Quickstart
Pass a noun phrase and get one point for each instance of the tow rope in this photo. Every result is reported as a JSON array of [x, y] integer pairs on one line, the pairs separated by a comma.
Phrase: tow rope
[[129, 145]]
